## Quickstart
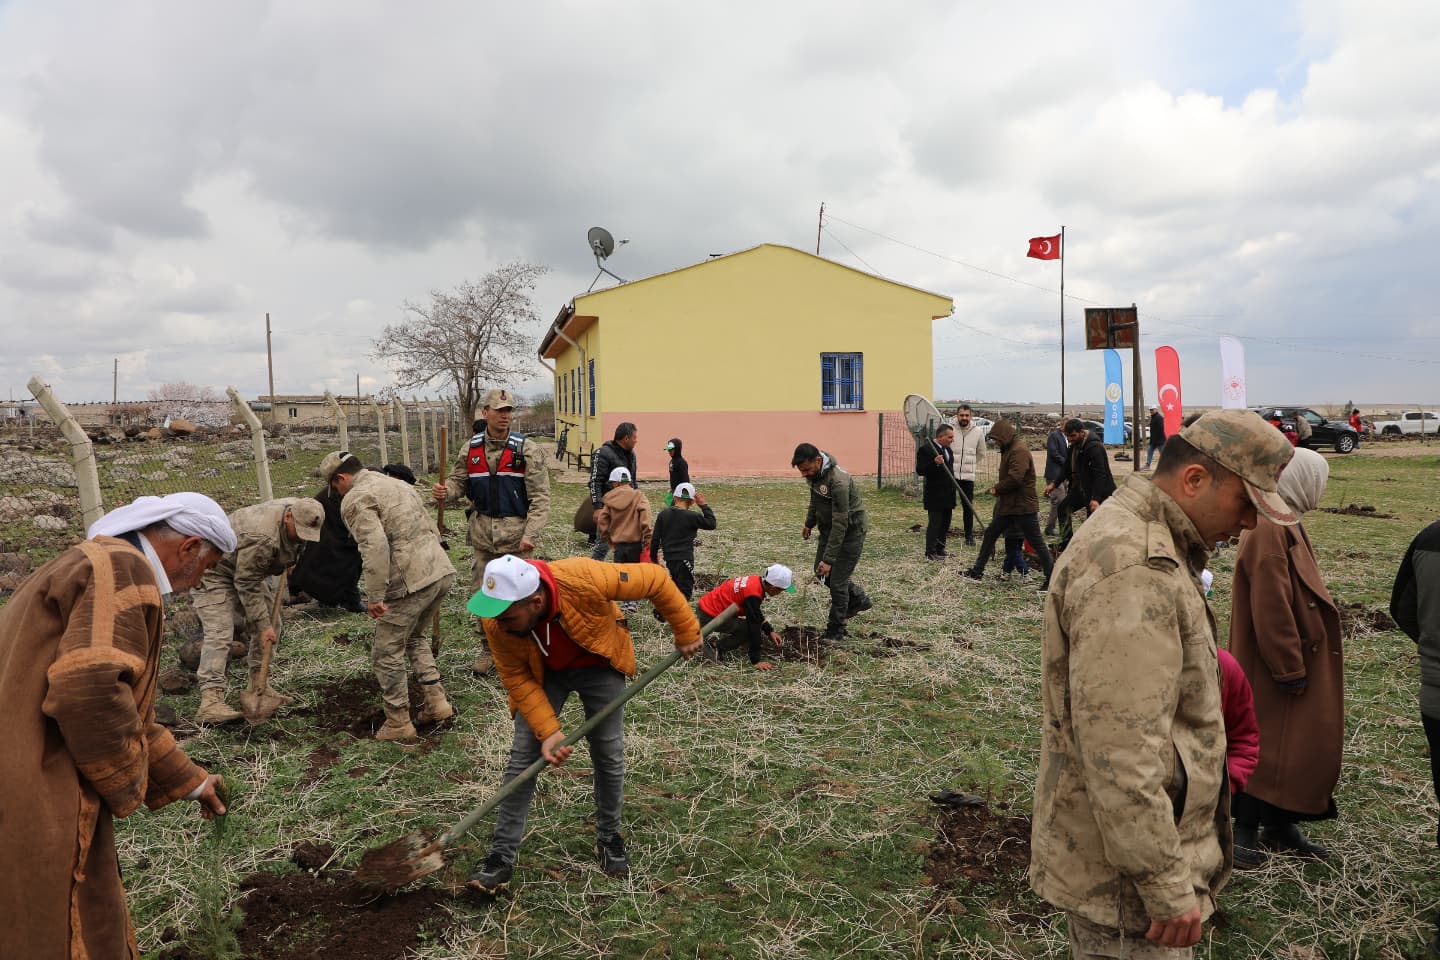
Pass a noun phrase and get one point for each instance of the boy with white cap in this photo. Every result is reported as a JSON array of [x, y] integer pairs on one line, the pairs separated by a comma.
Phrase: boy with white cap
[[747, 592], [554, 630], [623, 520], [674, 535]]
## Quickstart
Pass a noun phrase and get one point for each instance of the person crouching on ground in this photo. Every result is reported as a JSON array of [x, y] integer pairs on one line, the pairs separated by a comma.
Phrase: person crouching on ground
[[747, 592], [553, 631], [623, 519]]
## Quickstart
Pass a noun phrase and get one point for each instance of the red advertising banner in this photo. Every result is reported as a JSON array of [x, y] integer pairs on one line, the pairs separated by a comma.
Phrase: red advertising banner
[[1167, 375]]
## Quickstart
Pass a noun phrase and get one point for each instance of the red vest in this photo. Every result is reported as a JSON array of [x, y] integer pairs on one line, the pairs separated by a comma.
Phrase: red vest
[[734, 591]]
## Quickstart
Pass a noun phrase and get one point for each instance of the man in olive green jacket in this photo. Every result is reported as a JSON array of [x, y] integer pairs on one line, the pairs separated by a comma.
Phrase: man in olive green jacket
[[836, 508], [406, 576], [1131, 832], [235, 597]]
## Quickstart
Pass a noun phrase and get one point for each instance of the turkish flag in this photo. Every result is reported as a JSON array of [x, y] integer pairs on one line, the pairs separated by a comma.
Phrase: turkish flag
[[1045, 248]]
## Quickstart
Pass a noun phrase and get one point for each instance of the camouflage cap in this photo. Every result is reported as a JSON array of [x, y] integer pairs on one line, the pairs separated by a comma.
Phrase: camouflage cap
[[331, 463], [1242, 442], [499, 400], [309, 518]]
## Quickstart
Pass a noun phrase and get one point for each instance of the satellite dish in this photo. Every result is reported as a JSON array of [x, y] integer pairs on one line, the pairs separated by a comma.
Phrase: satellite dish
[[602, 244]]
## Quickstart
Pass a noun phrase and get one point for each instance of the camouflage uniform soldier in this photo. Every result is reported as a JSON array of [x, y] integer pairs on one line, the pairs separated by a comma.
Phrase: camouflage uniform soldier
[[1131, 831], [504, 477], [406, 576], [835, 507], [234, 598]]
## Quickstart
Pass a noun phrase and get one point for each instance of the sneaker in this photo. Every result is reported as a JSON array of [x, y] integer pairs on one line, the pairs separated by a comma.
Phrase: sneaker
[[630, 606], [860, 608], [613, 859], [972, 575], [492, 877], [833, 636], [969, 541]]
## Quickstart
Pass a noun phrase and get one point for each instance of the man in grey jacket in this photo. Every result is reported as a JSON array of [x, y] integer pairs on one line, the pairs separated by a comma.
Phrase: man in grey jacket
[[836, 508]]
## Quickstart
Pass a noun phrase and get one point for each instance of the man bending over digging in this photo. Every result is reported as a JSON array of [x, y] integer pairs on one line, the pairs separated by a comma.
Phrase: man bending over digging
[[554, 630]]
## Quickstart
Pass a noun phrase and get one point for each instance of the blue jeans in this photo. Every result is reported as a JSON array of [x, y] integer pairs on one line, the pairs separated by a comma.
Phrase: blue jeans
[[596, 686]]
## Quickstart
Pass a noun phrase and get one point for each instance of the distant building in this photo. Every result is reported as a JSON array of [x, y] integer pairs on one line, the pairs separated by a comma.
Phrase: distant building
[[743, 356]]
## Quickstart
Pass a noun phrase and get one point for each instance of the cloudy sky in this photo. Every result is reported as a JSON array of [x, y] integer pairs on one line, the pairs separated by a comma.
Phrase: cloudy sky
[[172, 171]]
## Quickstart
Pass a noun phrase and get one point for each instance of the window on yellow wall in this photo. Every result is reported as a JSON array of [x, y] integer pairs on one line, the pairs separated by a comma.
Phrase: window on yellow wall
[[842, 381], [590, 385]]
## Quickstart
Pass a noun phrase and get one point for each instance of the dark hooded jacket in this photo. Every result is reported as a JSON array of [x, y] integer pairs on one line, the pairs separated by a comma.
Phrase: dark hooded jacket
[[1090, 476], [329, 570], [679, 468], [1015, 489], [608, 456], [1415, 605]]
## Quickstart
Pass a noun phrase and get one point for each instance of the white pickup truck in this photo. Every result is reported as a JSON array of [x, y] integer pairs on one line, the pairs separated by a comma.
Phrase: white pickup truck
[[1412, 421]]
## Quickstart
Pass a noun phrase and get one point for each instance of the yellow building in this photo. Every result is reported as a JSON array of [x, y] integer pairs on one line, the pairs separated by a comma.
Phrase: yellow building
[[743, 357]]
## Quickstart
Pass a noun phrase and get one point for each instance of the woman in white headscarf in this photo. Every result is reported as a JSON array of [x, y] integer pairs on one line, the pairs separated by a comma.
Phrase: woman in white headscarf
[[1285, 632]]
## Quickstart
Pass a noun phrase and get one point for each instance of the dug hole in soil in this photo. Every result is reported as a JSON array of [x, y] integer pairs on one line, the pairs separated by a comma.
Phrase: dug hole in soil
[[979, 853], [353, 706], [317, 913]]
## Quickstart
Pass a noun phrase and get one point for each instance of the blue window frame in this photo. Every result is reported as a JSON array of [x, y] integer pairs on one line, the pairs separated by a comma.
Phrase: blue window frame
[[591, 386], [842, 381]]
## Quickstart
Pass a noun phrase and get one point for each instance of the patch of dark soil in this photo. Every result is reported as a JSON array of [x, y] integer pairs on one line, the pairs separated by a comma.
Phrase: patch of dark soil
[[165, 716], [353, 706], [176, 681], [322, 758], [802, 645], [1359, 510], [344, 639], [705, 582], [312, 856], [985, 854], [306, 916], [1355, 617], [888, 646]]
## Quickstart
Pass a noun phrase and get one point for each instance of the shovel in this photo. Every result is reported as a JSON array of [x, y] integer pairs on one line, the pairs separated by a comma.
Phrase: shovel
[[417, 854], [257, 700]]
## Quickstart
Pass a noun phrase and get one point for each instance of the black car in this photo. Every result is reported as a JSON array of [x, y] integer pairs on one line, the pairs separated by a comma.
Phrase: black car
[[1323, 433], [1097, 430]]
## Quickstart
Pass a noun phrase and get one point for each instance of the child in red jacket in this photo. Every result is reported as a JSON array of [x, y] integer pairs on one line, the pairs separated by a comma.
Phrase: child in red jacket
[[1242, 732]]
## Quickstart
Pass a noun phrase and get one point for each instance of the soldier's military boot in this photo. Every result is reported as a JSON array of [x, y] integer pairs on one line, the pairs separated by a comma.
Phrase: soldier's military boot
[[214, 709], [397, 725], [437, 708], [269, 687]]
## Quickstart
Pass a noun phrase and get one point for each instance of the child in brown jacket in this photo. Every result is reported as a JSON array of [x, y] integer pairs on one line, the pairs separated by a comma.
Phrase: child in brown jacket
[[624, 518]]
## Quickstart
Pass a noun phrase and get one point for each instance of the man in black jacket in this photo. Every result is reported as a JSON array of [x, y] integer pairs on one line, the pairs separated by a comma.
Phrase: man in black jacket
[[938, 471], [1057, 481], [1157, 435], [679, 467], [619, 452], [1091, 482], [1415, 605], [674, 535]]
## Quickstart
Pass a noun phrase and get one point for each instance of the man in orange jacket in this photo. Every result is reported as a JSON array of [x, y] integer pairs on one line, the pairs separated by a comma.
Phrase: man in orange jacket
[[554, 630]]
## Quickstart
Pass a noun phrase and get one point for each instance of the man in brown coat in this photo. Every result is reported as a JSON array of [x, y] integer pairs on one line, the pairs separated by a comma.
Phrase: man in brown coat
[[79, 650], [1285, 633], [1016, 501]]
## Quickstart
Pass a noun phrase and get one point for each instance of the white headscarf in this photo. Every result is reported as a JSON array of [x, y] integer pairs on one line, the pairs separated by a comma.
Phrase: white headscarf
[[191, 514], [1302, 483]]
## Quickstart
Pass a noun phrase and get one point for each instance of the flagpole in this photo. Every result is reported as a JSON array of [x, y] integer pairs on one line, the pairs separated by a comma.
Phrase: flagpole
[[1062, 321]]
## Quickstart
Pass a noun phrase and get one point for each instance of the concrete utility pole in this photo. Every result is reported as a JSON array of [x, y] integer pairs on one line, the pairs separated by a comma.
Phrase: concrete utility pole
[[270, 368]]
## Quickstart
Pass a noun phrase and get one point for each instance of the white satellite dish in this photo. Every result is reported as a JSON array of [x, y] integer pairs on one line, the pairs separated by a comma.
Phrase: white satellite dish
[[602, 244]]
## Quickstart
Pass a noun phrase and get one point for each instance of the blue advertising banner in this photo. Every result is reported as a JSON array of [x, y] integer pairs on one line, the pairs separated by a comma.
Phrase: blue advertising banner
[[1114, 400]]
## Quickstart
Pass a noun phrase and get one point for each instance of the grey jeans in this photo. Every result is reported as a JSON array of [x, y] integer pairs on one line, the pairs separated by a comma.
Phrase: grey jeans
[[596, 686]]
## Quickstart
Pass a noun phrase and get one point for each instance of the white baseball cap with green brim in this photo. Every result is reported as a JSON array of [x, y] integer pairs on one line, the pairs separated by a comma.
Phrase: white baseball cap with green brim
[[779, 575], [506, 580]]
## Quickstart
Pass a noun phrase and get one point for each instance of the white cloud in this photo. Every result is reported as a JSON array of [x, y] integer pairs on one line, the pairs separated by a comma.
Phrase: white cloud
[[176, 171]]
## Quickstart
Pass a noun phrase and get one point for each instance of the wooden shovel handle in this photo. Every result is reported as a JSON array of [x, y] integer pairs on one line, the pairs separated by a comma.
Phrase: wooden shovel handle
[[268, 650]]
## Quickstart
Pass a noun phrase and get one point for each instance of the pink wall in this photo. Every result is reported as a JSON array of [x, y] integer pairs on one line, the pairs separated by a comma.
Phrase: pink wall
[[749, 443]]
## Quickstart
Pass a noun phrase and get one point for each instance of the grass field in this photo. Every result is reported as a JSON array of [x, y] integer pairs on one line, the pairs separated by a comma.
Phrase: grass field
[[786, 814]]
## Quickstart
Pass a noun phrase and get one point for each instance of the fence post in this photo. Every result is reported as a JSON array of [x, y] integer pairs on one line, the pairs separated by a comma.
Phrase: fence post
[[380, 426], [257, 444], [403, 416], [82, 452], [424, 439], [342, 427], [880, 453]]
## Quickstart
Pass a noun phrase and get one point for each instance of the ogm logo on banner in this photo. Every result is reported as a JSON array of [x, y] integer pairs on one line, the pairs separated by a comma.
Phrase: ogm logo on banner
[[1112, 392]]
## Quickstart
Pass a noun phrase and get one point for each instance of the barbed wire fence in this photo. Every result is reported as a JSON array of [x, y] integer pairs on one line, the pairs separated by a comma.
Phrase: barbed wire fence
[[56, 477]]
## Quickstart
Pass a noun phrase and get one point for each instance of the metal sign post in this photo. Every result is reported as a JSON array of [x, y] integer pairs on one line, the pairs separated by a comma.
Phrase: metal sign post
[[1111, 328]]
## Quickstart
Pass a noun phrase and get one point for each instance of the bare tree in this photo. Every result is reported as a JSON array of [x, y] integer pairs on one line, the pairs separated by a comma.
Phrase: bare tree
[[476, 336], [182, 400]]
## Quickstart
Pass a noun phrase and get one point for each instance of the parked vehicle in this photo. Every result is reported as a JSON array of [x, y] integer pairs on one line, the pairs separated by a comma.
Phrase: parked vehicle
[[1423, 422], [1098, 429], [1323, 433]]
